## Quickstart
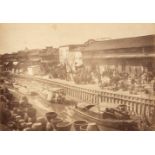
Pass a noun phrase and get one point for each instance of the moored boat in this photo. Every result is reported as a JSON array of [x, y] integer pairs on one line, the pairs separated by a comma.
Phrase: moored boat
[[113, 117]]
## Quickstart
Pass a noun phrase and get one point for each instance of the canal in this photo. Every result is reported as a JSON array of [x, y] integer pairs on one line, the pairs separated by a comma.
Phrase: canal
[[65, 112]]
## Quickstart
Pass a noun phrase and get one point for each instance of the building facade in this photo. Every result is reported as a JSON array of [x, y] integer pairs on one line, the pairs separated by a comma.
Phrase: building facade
[[127, 54], [71, 55]]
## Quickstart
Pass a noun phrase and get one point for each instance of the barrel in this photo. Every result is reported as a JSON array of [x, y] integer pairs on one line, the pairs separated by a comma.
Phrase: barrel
[[21, 121], [42, 120], [15, 103], [4, 128], [19, 124], [93, 127], [27, 129], [15, 110], [12, 125], [19, 112], [29, 124], [63, 126], [83, 127], [51, 115], [18, 117], [79, 123], [23, 125], [14, 115], [37, 127], [56, 121], [49, 126]]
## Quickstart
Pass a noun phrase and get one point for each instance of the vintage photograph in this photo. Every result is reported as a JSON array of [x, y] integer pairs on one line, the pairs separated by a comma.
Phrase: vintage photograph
[[77, 77]]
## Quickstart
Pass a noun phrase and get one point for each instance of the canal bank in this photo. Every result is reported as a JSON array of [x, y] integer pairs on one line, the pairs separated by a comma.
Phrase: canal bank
[[138, 105], [65, 112]]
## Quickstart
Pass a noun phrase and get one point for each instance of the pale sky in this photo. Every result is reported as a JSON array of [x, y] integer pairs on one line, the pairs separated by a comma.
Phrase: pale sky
[[14, 37]]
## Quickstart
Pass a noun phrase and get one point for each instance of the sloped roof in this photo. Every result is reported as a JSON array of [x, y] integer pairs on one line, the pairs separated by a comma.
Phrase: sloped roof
[[141, 41], [72, 46]]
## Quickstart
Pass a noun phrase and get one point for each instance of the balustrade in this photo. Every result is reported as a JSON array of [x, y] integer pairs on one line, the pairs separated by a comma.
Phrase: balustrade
[[137, 105]]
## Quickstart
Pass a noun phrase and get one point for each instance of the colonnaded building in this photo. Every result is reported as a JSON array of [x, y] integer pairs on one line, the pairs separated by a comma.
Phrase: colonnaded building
[[129, 54]]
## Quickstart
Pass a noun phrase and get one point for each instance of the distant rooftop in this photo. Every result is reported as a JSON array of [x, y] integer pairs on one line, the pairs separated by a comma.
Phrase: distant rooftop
[[72, 46], [141, 41]]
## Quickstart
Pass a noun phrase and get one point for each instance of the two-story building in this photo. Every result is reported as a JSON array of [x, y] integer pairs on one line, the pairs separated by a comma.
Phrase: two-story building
[[129, 54]]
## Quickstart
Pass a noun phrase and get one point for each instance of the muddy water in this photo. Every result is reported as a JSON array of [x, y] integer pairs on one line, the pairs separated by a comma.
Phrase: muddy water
[[65, 112], [42, 106]]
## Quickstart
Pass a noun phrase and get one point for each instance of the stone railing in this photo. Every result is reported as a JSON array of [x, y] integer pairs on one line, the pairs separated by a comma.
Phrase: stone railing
[[137, 105]]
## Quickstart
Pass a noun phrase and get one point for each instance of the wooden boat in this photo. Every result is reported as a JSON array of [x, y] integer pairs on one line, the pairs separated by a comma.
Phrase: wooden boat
[[55, 95], [116, 123]]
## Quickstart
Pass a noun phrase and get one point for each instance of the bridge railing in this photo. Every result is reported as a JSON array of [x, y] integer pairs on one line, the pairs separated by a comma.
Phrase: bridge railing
[[135, 104]]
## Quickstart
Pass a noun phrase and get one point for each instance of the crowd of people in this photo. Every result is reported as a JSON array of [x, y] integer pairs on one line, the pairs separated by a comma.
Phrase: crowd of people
[[132, 82], [112, 79]]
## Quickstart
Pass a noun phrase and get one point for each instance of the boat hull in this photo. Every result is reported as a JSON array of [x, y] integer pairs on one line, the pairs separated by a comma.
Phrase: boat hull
[[111, 123]]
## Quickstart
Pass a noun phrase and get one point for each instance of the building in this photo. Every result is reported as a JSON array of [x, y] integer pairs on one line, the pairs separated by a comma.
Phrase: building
[[71, 55], [33, 70], [129, 54], [33, 56], [49, 55]]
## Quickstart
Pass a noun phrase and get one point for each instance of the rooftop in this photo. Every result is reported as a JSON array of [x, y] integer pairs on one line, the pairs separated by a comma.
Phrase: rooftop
[[141, 41], [72, 46]]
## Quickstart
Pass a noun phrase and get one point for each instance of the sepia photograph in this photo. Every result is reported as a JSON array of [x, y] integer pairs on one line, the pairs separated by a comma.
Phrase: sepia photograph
[[77, 77]]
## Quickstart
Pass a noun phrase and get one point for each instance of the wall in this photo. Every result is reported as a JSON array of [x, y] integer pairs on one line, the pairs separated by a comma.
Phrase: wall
[[63, 54]]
